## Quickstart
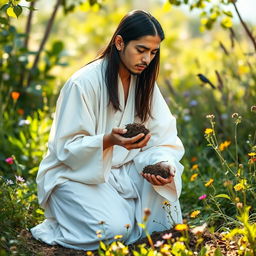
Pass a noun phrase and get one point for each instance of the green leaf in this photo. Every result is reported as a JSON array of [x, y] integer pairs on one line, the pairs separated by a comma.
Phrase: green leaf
[[17, 10], [223, 196], [4, 7], [218, 252], [3, 21], [202, 252], [228, 13]]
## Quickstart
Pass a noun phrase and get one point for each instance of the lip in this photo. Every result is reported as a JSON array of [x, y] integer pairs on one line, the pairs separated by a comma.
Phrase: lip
[[141, 67]]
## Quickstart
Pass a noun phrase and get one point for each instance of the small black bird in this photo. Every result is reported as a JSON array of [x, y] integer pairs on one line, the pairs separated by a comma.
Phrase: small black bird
[[204, 79]]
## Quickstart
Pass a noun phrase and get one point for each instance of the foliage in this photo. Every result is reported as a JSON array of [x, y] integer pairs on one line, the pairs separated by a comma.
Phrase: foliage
[[216, 77]]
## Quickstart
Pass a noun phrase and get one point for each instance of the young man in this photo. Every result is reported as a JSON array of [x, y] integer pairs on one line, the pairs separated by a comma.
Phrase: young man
[[91, 177]]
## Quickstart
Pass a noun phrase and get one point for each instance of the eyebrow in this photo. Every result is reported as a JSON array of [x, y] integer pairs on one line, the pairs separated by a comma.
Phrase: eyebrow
[[146, 48]]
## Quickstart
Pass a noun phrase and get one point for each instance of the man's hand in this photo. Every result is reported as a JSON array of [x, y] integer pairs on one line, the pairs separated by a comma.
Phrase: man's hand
[[116, 138], [157, 180]]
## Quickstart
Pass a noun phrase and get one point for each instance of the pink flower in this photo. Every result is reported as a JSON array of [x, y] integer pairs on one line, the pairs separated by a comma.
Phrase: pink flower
[[9, 160], [167, 236], [159, 243], [19, 179], [202, 197]]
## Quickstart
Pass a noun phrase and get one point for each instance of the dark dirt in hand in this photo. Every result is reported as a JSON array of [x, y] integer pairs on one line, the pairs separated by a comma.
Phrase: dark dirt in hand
[[157, 169], [135, 129]]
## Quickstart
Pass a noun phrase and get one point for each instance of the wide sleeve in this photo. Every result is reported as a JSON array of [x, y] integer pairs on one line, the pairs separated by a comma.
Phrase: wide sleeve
[[164, 145], [73, 137]]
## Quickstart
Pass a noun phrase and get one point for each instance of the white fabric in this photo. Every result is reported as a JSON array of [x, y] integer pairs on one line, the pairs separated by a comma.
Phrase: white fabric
[[77, 168]]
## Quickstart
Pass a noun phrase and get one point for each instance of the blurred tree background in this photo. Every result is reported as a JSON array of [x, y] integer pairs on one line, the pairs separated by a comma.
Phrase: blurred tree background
[[207, 67]]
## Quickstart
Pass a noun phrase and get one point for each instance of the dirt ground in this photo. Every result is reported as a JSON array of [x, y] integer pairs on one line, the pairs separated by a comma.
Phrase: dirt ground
[[32, 247]]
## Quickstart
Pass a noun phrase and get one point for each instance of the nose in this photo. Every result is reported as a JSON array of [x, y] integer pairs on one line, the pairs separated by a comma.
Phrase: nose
[[146, 58]]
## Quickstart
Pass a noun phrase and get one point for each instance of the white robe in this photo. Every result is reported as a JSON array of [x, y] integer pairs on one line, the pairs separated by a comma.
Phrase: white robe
[[80, 184]]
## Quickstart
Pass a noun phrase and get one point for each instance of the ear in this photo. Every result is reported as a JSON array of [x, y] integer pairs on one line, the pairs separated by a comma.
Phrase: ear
[[119, 43]]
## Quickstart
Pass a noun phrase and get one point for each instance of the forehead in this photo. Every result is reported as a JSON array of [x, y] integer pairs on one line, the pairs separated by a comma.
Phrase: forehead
[[147, 41]]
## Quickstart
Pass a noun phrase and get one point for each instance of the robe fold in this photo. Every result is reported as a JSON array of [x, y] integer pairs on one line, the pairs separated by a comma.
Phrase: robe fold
[[81, 185]]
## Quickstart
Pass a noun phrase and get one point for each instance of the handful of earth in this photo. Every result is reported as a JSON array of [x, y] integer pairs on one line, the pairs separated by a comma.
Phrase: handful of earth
[[135, 129], [158, 169]]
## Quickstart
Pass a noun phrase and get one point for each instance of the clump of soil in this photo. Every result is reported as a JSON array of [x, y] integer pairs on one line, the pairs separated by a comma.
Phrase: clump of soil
[[157, 169], [135, 129]]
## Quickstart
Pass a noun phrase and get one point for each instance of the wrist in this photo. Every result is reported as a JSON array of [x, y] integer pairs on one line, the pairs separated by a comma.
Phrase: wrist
[[107, 142]]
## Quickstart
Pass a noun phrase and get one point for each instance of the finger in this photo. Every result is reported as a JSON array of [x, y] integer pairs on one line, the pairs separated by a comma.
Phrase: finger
[[119, 130], [144, 142], [154, 180], [131, 141], [165, 181]]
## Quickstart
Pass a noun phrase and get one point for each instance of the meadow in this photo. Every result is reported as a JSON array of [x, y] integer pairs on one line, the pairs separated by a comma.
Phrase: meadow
[[208, 79]]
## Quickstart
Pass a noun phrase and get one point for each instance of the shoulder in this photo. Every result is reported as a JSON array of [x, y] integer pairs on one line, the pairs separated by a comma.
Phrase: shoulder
[[89, 78]]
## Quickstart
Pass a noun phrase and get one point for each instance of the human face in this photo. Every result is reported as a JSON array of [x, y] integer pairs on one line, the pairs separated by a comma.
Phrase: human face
[[137, 54]]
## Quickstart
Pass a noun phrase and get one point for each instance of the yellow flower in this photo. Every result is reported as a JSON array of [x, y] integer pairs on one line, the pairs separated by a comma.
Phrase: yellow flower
[[209, 182], [224, 145], [252, 154], [208, 131], [167, 203], [239, 187], [194, 214], [118, 237], [181, 227], [89, 253], [194, 167], [193, 177]]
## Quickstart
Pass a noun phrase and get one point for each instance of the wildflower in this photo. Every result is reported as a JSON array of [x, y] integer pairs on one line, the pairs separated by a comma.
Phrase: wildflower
[[15, 95], [127, 226], [194, 167], [167, 236], [102, 222], [239, 205], [195, 213], [158, 243], [19, 179], [20, 111], [147, 213], [252, 154], [193, 159], [252, 160], [209, 182], [99, 233], [118, 237], [193, 177], [9, 160], [227, 183], [211, 116], [9, 182], [167, 203], [193, 103], [23, 122], [181, 227], [202, 197], [239, 187], [89, 253], [235, 115], [224, 145], [253, 108], [208, 131], [199, 230]]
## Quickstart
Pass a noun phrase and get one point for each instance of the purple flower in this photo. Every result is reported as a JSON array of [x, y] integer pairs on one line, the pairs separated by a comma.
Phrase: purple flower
[[19, 179], [202, 197], [9, 160]]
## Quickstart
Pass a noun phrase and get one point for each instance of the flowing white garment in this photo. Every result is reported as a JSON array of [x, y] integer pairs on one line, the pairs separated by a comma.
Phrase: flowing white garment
[[80, 184]]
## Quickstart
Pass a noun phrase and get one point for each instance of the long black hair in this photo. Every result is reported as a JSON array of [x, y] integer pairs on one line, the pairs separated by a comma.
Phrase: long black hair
[[133, 26]]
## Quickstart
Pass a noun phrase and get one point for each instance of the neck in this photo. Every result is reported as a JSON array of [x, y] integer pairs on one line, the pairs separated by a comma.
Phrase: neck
[[124, 73]]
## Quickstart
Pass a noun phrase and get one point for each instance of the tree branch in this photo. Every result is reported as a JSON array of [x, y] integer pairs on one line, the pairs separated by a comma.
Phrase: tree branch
[[248, 32], [45, 37]]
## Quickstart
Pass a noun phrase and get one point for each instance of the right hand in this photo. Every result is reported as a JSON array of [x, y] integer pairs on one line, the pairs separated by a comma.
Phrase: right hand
[[116, 138]]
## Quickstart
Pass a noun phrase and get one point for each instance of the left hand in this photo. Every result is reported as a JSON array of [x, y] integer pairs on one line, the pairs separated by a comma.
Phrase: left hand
[[157, 180]]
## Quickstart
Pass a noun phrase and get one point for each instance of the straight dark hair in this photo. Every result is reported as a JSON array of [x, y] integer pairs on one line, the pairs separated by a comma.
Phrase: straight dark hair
[[133, 26]]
